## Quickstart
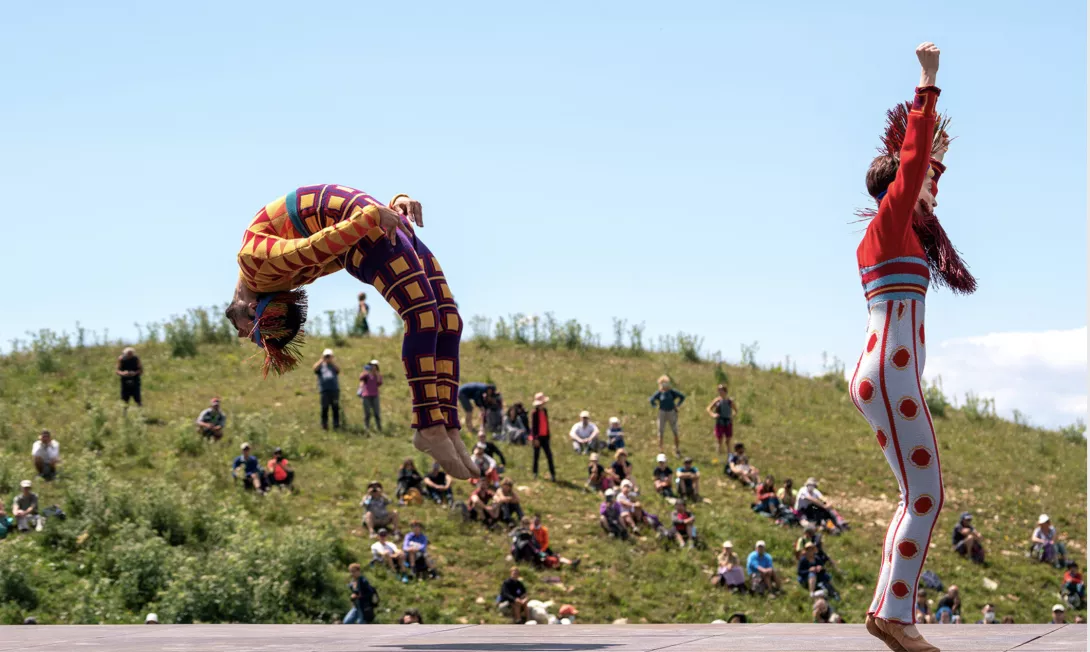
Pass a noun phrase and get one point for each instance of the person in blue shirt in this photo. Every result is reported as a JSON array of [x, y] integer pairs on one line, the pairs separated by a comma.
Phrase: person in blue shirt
[[251, 468], [7, 523], [475, 394], [688, 480], [759, 567], [416, 549], [668, 400]]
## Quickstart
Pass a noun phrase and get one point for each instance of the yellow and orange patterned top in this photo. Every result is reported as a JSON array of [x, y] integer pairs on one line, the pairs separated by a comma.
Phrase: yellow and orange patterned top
[[304, 235]]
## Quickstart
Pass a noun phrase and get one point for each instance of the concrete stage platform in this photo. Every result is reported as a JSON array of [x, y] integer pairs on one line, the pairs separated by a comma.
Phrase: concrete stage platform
[[540, 638]]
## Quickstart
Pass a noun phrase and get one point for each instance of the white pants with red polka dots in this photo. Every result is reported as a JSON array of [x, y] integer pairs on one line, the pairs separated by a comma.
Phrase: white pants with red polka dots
[[887, 390]]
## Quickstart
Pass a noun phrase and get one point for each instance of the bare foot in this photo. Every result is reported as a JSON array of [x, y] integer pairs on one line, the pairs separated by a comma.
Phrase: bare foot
[[433, 440], [455, 436]]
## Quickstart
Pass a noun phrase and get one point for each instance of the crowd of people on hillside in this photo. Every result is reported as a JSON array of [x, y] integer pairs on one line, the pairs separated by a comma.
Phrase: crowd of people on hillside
[[495, 500]]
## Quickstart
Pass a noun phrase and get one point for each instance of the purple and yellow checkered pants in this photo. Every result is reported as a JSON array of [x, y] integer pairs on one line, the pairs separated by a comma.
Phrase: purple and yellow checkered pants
[[409, 277]]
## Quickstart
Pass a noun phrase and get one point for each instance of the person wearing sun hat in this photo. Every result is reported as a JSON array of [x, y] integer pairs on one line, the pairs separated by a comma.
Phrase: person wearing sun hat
[[729, 573], [317, 230], [569, 612], [1045, 543], [540, 435]]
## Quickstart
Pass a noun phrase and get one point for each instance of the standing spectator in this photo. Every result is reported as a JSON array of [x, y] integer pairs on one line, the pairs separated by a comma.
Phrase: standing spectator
[[387, 552], [364, 598], [361, 327], [584, 435], [513, 592], [211, 420], [966, 539], [472, 395], [253, 476], [1073, 584], [416, 549], [597, 478], [46, 453], [437, 485], [621, 467], [408, 478], [329, 388], [370, 381], [739, 467], [130, 370], [723, 410], [767, 502], [729, 573], [508, 500], [516, 425], [684, 524], [949, 606], [1059, 614], [25, 508], [760, 569], [377, 513], [813, 505], [1046, 545], [664, 477], [688, 480], [615, 435], [668, 400], [7, 523], [539, 433], [492, 450], [278, 471]]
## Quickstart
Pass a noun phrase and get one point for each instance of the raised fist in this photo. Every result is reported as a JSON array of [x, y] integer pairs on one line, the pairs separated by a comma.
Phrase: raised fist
[[928, 54]]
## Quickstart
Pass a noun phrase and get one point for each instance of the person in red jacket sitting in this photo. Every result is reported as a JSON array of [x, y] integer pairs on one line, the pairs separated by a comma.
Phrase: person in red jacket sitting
[[279, 472]]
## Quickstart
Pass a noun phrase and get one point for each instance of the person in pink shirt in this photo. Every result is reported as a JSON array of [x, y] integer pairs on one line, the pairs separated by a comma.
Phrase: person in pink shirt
[[370, 381]]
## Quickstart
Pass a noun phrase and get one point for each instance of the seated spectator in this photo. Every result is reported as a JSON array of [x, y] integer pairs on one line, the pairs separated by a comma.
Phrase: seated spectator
[[412, 617], [541, 536], [513, 592], [823, 613], [664, 477], [211, 420], [923, 610], [812, 505], [812, 574], [627, 503], [684, 524], [1046, 546], [508, 500], [46, 453], [966, 540], [493, 415], [737, 618], [738, 466], [584, 435], [622, 468], [415, 546], [377, 513], [151, 619], [437, 485], [481, 503], [7, 523], [688, 480], [1073, 584], [767, 502], [651, 521], [408, 479], [386, 552], [730, 573], [762, 574], [615, 435], [811, 535], [948, 609], [492, 450], [516, 425], [786, 494], [597, 478], [278, 471], [1059, 615], [609, 516], [490, 471], [253, 476], [989, 616], [25, 508], [364, 598]]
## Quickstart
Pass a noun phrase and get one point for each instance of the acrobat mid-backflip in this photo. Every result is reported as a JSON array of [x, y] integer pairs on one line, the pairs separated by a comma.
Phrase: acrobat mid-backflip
[[318, 230]]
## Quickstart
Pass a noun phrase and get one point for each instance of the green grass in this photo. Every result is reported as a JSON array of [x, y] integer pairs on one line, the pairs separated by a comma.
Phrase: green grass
[[156, 524]]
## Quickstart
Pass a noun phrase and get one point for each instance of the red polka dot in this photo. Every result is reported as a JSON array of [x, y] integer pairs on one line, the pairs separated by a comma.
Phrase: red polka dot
[[921, 334], [923, 505], [866, 390], [872, 342], [899, 589], [901, 357], [908, 408], [882, 440], [908, 549], [920, 456]]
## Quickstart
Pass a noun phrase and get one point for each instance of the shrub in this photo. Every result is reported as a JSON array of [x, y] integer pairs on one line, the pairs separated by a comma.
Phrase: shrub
[[749, 355], [181, 338], [1076, 432], [139, 563], [935, 398], [15, 584], [689, 346]]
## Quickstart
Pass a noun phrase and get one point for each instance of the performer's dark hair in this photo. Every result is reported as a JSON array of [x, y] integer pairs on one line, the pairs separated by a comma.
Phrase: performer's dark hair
[[882, 172]]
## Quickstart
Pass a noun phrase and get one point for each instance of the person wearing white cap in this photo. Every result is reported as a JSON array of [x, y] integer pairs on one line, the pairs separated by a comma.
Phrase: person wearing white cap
[[370, 381], [584, 435], [1059, 615], [1045, 545], [609, 516], [25, 508], [664, 477], [252, 474], [329, 388], [151, 619], [615, 434], [761, 571]]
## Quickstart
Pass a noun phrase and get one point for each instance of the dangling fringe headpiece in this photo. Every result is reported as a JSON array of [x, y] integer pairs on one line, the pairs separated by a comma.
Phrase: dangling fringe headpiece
[[278, 329], [943, 259]]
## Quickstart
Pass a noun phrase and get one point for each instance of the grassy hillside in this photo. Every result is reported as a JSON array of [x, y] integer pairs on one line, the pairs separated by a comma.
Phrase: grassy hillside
[[156, 523]]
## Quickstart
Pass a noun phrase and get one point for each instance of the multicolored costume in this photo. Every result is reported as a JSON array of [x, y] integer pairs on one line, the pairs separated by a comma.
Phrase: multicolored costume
[[897, 257], [318, 230]]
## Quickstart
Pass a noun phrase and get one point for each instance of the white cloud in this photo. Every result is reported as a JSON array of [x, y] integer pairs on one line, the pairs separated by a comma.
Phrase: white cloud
[[1042, 374]]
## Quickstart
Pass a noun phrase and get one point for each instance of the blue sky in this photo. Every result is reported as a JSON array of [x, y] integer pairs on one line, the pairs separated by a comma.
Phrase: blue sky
[[694, 166]]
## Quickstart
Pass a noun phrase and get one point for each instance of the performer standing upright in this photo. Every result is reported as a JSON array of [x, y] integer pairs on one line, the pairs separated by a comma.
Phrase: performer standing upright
[[318, 230], [904, 248]]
